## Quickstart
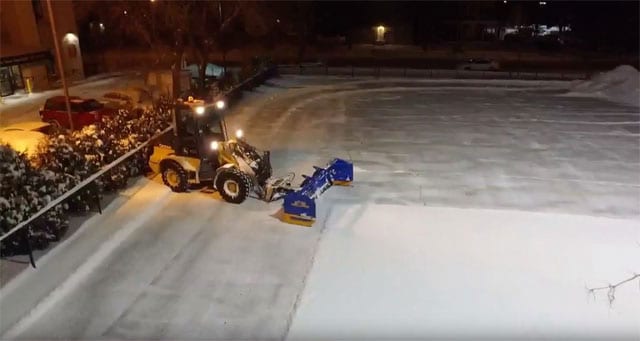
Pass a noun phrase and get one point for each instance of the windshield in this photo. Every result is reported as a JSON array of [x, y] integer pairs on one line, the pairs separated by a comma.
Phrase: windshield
[[211, 122], [208, 124], [91, 105]]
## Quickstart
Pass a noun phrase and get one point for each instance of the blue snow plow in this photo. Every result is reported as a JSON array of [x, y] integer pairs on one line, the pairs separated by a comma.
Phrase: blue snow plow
[[299, 206]]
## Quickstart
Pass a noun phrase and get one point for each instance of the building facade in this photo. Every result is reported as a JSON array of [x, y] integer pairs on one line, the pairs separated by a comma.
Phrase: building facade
[[27, 50]]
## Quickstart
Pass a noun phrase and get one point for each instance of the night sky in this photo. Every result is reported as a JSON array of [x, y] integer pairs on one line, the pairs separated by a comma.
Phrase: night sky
[[615, 22]]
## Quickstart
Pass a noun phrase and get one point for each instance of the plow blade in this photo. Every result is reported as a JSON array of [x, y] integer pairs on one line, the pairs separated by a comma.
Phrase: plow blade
[[299, 206]]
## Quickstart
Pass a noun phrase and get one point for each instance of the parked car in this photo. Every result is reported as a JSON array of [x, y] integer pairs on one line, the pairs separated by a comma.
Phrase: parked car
[[116, 100], [26, 136], [84, 112], [480, 64], [129, 98]]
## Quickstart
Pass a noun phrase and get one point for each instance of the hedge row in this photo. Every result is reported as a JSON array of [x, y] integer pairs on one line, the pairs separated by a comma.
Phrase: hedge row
[[62, 161]]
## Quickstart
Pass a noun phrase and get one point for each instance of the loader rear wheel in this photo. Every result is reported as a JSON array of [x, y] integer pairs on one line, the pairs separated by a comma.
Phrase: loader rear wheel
[[233, 185], [175, 177]]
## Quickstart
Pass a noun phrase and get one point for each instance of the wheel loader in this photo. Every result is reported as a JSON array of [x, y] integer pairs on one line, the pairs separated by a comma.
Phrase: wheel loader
[[200, 151]]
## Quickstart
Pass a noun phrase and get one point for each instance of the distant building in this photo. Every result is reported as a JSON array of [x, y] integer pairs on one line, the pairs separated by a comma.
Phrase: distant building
[[26, 44], [474, 21]]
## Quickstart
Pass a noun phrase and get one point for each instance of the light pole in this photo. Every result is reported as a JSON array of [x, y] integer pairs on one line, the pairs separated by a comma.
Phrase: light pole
[[60, 67]]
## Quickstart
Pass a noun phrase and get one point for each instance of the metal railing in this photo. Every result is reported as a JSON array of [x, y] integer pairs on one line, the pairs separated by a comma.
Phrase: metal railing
[[74, 190], [380, 72]]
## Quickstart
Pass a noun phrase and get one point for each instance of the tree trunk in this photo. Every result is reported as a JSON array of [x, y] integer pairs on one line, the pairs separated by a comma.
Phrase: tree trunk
[[224, 61], [175, 73], [202, 73]]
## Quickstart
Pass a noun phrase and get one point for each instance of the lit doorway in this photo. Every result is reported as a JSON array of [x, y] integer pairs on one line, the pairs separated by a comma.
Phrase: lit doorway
[[380, 32], [71, 56]]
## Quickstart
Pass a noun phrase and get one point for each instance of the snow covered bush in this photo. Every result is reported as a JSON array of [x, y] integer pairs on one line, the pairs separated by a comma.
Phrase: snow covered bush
[[63, 161], [25, 190], [59, 156]]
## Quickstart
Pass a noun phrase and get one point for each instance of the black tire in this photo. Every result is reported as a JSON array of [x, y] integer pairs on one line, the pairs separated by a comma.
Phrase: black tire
[[55, 124], [174, 176], [233, 185]]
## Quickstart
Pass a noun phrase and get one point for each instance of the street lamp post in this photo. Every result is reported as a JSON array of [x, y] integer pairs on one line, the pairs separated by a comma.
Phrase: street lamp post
[[59, 58]]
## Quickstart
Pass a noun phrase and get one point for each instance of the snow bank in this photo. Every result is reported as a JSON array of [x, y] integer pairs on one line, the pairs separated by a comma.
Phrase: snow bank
[[391, 272], [621, 85]]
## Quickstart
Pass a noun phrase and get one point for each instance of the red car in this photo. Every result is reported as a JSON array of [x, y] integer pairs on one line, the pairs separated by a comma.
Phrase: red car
[[84, 112]]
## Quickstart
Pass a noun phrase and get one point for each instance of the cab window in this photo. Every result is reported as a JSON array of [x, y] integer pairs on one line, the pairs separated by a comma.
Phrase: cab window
[[91, 105], [212, 124], [186, 124]]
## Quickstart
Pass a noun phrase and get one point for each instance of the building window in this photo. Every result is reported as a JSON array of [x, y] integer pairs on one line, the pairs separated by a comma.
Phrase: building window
[[16, 76], [6, 86]]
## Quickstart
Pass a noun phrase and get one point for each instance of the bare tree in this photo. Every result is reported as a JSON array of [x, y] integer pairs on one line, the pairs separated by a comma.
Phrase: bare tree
[[611, 288], [198, 27], [219, 26], [158, 26], [212, 22]]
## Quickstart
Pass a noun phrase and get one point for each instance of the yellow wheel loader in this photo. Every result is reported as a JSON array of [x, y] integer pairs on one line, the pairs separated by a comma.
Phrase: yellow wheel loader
[[200, 151]]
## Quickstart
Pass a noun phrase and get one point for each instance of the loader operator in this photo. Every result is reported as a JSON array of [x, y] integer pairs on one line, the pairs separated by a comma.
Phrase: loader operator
[[204, 126], [188, 142]]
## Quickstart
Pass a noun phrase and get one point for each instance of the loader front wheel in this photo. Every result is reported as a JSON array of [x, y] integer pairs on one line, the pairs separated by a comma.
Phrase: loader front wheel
[[233, 185], [175, 177]]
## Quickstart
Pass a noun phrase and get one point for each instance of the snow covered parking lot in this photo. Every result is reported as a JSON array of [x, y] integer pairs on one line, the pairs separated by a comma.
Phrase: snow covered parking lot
[[479, 209], [492, 144]]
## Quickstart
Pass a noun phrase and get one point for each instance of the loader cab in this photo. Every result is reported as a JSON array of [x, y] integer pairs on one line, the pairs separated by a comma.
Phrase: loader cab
[[198, 125]]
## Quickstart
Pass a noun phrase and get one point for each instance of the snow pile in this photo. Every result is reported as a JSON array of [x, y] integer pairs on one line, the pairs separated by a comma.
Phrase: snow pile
[[621, 85]]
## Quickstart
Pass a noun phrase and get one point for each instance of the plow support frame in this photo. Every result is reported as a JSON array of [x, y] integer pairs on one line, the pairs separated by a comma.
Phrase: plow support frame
[[299, 206]]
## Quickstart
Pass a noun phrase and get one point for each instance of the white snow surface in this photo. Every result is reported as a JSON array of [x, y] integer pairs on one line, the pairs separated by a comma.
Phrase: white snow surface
[[621, 85], [413, 272], [478, 209]]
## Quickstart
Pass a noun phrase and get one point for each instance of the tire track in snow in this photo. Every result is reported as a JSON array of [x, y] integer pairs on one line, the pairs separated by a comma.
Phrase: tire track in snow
[[296, 302]]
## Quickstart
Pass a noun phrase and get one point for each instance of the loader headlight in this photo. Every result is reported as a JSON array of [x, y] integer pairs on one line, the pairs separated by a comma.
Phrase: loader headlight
[[239, 133], [199, 110], [220, 104], [214, 145]]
